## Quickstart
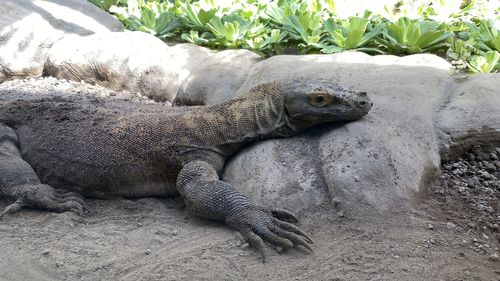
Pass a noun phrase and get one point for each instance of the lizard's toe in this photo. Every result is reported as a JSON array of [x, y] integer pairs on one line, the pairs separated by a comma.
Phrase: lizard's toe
[[68, 196], [284, 215], [12, 208], [46, 197], [258, 225]]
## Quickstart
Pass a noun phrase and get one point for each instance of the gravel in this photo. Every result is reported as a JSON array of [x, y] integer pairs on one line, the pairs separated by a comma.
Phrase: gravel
[[473, 179]]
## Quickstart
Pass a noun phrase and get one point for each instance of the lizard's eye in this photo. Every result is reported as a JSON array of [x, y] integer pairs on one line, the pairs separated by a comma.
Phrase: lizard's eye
[[320, 99]]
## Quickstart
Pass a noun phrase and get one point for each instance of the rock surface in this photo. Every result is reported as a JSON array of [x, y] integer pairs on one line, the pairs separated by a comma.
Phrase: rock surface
[[217, 78], [28, 28], [191, 74], [470, 115], [132, 61]]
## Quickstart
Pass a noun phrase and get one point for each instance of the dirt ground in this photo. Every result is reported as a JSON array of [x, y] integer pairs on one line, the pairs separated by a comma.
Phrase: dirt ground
[[445, 236]]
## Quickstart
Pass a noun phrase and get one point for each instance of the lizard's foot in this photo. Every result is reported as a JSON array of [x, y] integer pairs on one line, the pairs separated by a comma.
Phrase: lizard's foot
[[257, 224], [46, 197]]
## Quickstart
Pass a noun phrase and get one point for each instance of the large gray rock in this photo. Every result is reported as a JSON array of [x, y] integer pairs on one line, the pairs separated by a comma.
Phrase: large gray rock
[[470, 115], [133, 61], [378, 162], [28, 28], [285, 173], [191, 74], [217, 78]]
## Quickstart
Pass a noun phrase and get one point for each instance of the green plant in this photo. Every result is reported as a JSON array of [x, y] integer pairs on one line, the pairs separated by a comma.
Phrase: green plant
[[465, 32], [406, 36], [485, 36], [486, 63], [228, 33], [460, 50], [296, 22], [351, 34]]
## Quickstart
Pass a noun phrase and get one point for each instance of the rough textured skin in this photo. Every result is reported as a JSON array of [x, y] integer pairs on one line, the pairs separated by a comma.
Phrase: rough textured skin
[[56, 146]]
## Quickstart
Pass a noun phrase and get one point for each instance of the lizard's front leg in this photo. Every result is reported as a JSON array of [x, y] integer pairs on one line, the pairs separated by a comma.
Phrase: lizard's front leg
[[204, 194], [19, 181]]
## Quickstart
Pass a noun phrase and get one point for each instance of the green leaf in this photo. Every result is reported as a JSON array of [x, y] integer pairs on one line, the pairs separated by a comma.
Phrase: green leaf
[[277, 36], [133, 23], [148, 17], [332, 49], [296, 27], [194, 18], [356, 30], [205, 16], [193, 37], [165, 24], [494, 43], [413, 33], [370, 35], [431, 38], [104, 4], [335, 32], [484, 64], [275, 13], [396, 33], [229, 31]]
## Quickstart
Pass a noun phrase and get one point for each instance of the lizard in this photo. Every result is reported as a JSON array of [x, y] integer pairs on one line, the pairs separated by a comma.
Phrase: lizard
[[58, 147]]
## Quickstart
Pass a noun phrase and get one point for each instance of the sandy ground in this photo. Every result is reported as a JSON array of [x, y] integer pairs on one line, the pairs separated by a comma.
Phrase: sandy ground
[[156, 239]]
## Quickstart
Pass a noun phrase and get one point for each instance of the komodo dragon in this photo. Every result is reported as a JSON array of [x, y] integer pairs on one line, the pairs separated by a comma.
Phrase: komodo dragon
[[57, 146]]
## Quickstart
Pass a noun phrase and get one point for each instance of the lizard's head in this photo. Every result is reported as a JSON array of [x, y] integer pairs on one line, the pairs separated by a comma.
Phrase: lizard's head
[[312, 102]]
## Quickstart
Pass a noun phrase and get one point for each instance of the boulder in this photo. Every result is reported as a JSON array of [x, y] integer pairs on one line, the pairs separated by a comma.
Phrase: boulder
[[217, 78], [133, 61], [470, 115], [28, 28], [377, 163], [285, 173]]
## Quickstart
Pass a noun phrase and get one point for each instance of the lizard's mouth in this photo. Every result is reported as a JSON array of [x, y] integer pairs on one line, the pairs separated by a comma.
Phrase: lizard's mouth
[[323, 115]]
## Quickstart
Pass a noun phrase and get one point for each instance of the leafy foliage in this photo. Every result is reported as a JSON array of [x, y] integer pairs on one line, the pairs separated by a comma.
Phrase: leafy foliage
[[407, 36], [465, 31]]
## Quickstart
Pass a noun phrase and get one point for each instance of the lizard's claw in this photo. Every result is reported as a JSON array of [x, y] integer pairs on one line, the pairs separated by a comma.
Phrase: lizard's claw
[[46, 197], [257, 224]]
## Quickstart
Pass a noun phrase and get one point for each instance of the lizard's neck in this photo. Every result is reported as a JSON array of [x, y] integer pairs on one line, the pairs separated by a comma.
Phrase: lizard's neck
[[255, 116]]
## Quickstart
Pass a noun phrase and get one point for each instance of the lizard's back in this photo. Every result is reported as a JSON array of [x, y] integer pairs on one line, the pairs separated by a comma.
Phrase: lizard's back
[[101, 144]]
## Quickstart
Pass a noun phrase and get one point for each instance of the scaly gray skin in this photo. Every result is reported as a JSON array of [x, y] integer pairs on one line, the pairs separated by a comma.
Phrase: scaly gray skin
[[57, 146]]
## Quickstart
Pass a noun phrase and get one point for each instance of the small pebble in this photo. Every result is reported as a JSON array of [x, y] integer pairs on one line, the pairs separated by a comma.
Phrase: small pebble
[[336, 201], [341, 214], [490, 167], [46, 252], [148, 252], [494, 257], [430, 226]]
